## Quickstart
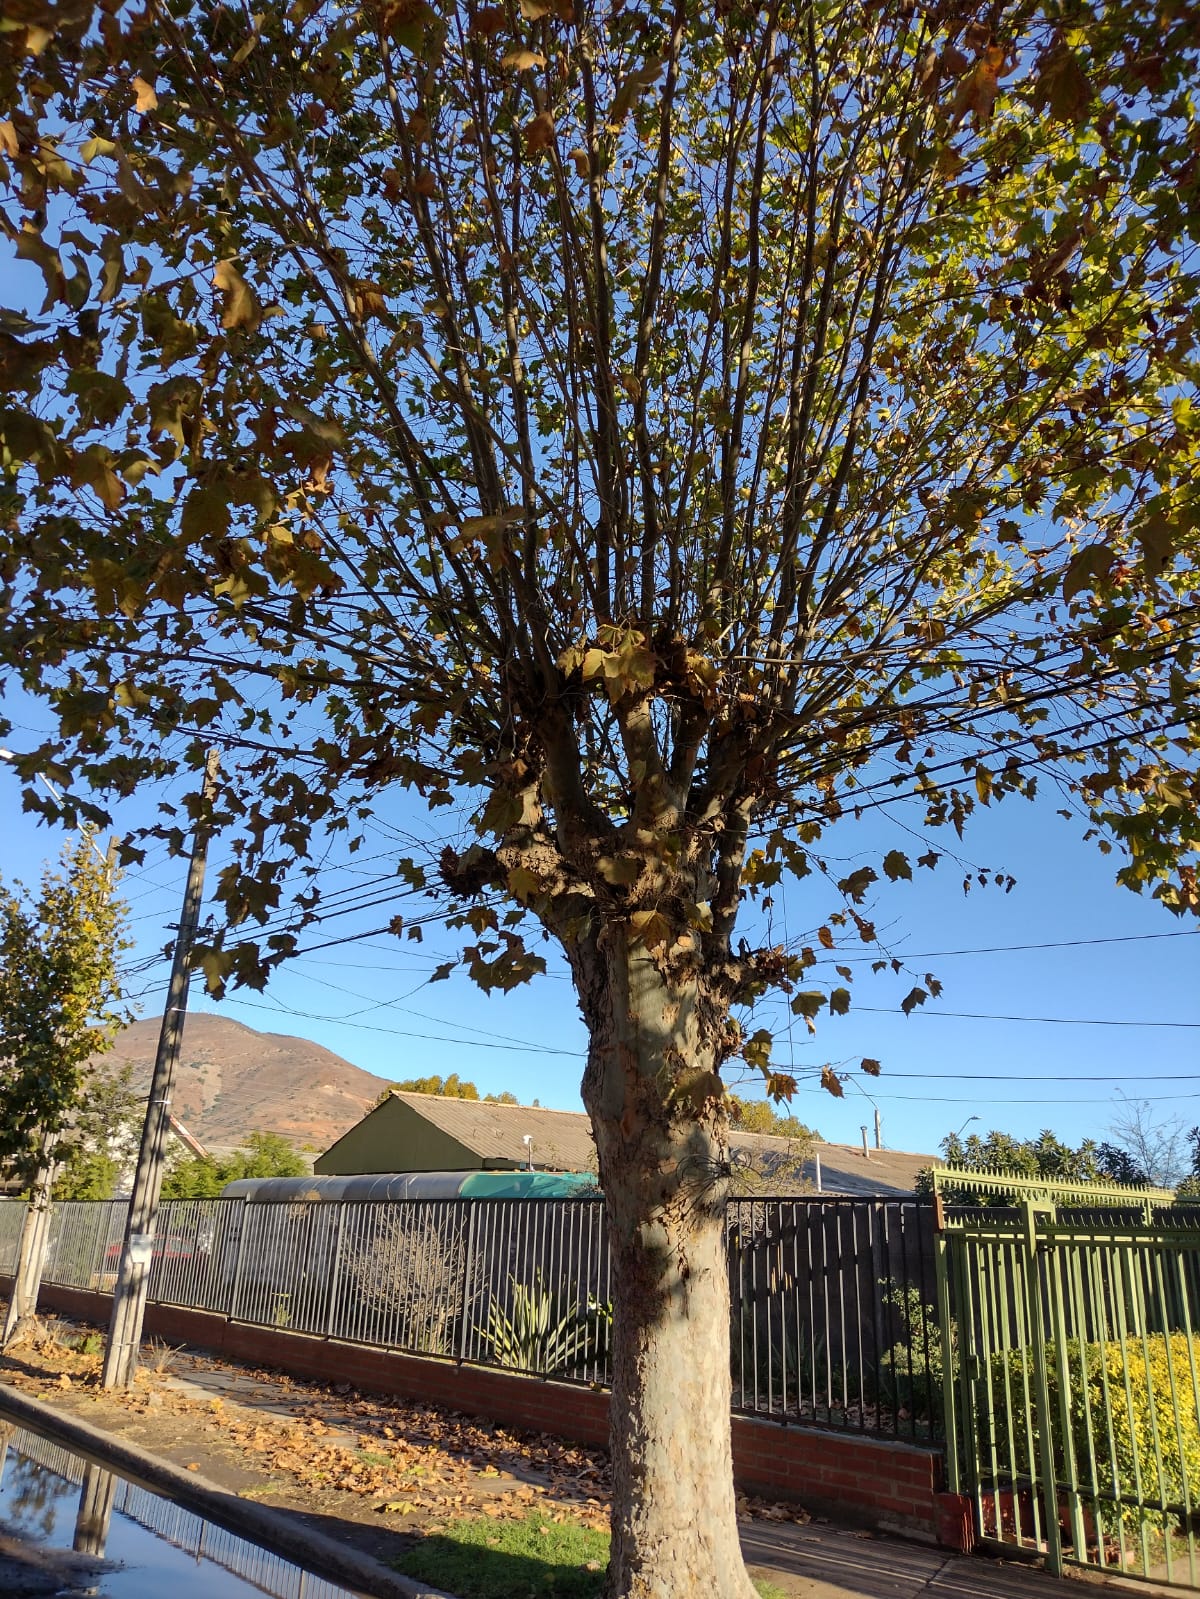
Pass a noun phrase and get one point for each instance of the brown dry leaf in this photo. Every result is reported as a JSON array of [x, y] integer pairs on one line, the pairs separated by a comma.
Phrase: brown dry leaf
[[539, 134], [978, 90], [146, 99], [488, 20]]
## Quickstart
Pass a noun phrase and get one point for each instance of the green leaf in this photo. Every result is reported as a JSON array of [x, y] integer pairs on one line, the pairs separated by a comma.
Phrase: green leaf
[[1088, 568]]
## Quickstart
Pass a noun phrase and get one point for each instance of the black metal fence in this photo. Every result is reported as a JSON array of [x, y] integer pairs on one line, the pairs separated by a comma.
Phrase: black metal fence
[[833, 1300]]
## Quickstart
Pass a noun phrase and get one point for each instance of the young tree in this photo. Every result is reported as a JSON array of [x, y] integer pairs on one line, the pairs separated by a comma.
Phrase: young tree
[[204, 1176], [60, 1007], [660, 431], [104, 1136]]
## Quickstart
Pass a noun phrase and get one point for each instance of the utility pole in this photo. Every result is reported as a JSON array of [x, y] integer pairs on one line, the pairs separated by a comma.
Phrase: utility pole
[[129, 1296]]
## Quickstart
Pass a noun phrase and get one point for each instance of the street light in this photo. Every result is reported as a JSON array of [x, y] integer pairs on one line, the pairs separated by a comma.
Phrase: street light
[[967, 1123]]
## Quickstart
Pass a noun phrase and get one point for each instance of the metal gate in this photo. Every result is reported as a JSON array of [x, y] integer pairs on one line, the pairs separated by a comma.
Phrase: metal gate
[[1071, 1371]]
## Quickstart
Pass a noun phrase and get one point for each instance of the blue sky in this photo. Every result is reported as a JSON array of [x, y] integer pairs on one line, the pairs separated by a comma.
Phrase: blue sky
[[370, 998]]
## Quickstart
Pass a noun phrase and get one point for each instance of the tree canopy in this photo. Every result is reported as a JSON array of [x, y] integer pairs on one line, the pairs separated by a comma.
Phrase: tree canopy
[[1141, 1152], [60, 1007], [653, 434], [204, 1176]]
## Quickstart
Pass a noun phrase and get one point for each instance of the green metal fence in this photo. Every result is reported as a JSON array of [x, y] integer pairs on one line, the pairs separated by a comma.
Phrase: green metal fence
[[1071, 1371]]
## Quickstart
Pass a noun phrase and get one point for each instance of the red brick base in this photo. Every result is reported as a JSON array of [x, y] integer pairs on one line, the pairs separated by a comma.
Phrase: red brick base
[[871, 1481]]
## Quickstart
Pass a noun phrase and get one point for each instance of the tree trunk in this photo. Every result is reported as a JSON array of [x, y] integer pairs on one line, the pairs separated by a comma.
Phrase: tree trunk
[[654, 1098], [31, 1254]]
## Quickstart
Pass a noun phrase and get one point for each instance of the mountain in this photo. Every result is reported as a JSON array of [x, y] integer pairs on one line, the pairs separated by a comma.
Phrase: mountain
[[233, 1080]]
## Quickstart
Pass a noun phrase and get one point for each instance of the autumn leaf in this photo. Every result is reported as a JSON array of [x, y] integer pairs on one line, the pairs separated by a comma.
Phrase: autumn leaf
[[487, 21], [523, 60], [1088, 568], [650, 928], [539, 134], [914, 997], [240, 308], [1061, 86], [978, 90], [870, 1066], [145, 98], [895, 866], [95, 147], [9, 143], [831, 1082]]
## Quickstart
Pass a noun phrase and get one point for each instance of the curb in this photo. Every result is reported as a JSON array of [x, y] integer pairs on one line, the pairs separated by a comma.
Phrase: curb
[[279, 1531]]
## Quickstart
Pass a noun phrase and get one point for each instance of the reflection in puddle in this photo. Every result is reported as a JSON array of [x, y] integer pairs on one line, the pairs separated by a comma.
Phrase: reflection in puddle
[[87, 1531]]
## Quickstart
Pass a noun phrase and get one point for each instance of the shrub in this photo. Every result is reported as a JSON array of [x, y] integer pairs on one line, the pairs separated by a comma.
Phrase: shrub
[[1155, 1439], [542, 1331], [413, 1277]]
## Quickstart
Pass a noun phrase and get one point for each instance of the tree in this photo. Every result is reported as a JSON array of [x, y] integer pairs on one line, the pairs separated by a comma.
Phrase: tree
[[105, 1126], [448, 1087], [756, 1116], [204, 1176], [60, 1007], [655, 438], [1148, 1148], [1154, 1161]]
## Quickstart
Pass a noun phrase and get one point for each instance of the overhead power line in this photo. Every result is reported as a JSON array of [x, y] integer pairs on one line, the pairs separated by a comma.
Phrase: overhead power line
[[988, 1016]]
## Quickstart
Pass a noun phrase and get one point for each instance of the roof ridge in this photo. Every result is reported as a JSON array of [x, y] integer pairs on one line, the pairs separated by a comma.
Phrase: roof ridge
[[483, 1104]]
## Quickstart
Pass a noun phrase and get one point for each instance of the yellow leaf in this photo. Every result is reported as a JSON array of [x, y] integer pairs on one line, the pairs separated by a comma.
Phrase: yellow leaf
[[523, 60], [650, 928], [8, 138], [241, 309], [94, 147], [146, 99]]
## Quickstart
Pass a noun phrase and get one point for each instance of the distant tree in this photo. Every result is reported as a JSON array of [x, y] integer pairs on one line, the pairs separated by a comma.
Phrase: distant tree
[[1142, 1152], [1156, 1147], [60, 1007], [204, 1176], [451, 1087], [105, 1133], [756, 1116]]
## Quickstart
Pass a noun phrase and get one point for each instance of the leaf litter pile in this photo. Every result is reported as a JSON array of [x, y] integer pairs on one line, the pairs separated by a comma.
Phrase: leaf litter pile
[[411, 1467]]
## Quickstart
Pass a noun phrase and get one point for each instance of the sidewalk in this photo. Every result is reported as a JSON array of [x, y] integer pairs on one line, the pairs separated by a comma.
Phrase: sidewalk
[[375, 1474]]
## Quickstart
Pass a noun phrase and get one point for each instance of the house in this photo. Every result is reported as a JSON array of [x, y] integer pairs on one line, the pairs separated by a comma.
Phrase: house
[[426, 1133]]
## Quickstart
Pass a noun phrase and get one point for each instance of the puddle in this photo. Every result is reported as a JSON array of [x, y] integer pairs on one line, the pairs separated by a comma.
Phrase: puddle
[[70, 1528]]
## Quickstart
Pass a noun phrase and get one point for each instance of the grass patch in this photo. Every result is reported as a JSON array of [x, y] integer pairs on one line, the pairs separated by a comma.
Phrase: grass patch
[[535, 1558], [531, 1559]]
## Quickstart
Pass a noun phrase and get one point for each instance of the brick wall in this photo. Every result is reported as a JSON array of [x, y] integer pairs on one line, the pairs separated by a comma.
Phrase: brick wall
[[871, 1481]]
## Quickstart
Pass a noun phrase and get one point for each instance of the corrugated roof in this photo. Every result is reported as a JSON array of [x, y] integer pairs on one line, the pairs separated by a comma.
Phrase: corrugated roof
[[844, 1168], [562, 1141]]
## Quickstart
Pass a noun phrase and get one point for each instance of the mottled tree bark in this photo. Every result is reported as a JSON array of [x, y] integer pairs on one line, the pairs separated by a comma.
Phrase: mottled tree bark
[[655, 1101]]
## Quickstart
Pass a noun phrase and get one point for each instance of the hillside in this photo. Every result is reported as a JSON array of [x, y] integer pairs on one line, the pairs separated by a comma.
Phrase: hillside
[[233, 1080]]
